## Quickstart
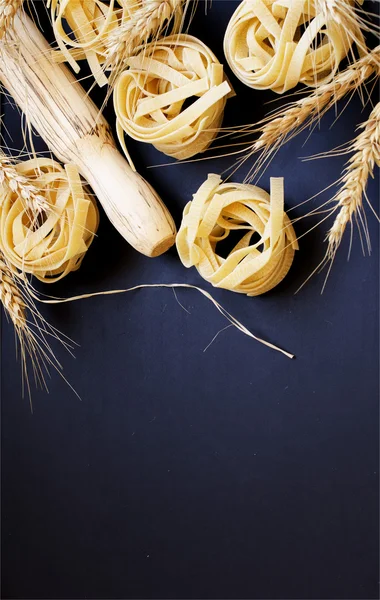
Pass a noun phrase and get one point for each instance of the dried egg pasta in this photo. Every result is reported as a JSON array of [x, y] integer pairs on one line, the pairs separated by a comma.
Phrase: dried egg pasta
[[172, 96], [217, 209], [276, 44]]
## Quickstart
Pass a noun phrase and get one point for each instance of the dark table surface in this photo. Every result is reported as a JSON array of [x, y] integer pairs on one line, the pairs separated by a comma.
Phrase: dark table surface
[[230, 473]]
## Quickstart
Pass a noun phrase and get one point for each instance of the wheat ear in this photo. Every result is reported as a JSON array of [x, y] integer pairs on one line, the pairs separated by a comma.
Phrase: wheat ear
[[349, 199], [11, 298], [287, 122], [25, 188], [8, 9], [148, 22]]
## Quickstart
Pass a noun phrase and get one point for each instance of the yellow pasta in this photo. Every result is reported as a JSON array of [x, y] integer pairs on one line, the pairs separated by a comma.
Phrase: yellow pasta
[[276, 44], [150, 96], [91, 22], [252, 267], [49, 237]]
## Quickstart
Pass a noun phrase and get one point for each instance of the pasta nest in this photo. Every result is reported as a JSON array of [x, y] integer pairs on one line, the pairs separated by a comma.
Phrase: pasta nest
[[172, 96], [48, 240], [252, 267], [276, 44]]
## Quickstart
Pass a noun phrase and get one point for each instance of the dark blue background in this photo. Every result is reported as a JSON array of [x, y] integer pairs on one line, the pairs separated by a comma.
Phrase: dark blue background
[[234, 473]]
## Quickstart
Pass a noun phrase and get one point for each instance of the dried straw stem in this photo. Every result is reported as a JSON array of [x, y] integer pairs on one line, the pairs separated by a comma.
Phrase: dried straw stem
[[349, 199], [148, 22], [8, 9]]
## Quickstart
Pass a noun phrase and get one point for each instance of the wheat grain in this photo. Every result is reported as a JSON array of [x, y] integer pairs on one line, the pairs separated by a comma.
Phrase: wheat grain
[[148, 22], [8, 9], [27, 191], [349, 199]]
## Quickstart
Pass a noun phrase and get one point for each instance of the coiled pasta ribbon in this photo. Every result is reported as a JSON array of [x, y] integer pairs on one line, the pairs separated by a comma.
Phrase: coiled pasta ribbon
[[276, 44], [252, 267], [48, 241], [91, 22], [152, 98]]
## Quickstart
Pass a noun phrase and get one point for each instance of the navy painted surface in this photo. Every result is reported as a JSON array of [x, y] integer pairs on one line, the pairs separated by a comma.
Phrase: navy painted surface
[[230, 473]]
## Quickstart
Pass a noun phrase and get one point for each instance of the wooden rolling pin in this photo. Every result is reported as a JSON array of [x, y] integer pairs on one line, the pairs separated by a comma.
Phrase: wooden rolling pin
[[69, 122]]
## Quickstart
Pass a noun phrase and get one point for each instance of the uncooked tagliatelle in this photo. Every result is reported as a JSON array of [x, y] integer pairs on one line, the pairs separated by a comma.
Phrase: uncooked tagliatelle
[[47, 240], [172, 96], [90, 22], [276, 44], [252, 267]]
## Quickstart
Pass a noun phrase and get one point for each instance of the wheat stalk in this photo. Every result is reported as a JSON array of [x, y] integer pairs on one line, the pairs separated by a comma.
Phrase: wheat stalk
[[27, 191], [287, 122], [8, 9], [148, 22], [349, 199]]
